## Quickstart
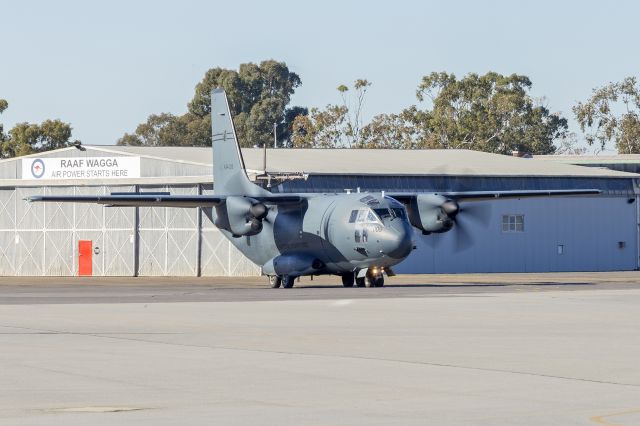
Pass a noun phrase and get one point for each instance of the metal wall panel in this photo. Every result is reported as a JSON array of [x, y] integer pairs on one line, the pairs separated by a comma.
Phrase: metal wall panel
[[59, 259], [119, 237], [588, 228], [7, 231], [7, 253], [119, 255], [168, 237], [29, 253], [182, 236], [214, 253]]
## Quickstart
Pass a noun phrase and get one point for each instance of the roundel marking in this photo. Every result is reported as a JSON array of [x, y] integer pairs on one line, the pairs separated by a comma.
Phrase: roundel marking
[[37, 168]]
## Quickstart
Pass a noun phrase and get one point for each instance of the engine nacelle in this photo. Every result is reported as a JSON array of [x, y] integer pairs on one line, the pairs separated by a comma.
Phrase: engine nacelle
[[244, 215], [432, 213]]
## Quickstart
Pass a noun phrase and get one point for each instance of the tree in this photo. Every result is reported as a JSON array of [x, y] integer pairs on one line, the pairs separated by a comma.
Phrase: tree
[[337, 126], [3, 105], [492, 113], [320, 128], [395, 131], [258, 96], [285, 129], [569, 146], [28, 138], [612, 113], [353, 107]]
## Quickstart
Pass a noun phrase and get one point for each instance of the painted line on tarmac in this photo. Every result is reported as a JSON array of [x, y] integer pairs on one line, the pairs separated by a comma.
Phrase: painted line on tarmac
[[601, 419]]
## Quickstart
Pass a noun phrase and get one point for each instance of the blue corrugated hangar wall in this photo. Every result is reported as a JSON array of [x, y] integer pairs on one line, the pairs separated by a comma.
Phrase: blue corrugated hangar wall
[[559, 234]]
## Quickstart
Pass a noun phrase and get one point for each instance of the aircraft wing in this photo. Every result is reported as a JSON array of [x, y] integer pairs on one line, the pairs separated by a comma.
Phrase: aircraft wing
[[437, 212], [489, 195], [156, 199]]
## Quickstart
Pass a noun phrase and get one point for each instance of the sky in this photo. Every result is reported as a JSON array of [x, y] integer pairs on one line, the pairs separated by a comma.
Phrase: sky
[[104, 67]]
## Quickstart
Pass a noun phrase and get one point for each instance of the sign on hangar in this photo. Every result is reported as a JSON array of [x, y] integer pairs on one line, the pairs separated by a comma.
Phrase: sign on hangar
[[81, 168]]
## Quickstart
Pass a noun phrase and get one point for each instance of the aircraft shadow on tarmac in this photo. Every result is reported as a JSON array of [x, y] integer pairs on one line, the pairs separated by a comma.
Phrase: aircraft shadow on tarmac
[[458, 285]]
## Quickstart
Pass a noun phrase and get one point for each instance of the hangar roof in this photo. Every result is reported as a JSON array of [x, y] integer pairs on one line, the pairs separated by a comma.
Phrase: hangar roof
[[591, 159], [458, 162], [186, 165]]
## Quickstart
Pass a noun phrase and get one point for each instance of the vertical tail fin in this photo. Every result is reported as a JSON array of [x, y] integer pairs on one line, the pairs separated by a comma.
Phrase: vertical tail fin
[[229, 175]]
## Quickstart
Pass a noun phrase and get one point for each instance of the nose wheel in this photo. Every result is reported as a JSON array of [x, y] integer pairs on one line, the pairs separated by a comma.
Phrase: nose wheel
[[374, 279], [370, 279]]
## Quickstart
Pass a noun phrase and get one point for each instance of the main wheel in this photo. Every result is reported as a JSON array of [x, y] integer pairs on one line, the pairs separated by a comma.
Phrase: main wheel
[[379, 282], [360, 282], [288, 281], [275, 281], [347, 279]]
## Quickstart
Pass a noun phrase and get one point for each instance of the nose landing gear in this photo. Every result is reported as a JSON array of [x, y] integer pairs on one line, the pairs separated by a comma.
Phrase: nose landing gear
[[373, 278]]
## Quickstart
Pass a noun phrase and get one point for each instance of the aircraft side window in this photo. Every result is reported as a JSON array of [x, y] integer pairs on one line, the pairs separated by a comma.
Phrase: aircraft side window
[[398, 212], [354, 216], [372, 217]]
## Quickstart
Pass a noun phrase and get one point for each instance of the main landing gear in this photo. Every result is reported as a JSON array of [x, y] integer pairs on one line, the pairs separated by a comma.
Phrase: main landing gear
[[373, 278]]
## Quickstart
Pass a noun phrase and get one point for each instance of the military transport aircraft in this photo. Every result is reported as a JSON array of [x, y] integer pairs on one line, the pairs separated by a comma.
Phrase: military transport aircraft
[[358, 236]]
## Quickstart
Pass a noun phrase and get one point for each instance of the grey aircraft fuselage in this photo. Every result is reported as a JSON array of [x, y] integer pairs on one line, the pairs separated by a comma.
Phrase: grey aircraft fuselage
[[342, 230]]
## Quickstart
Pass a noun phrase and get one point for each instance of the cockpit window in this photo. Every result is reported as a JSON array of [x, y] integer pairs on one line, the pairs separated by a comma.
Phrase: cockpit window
[[398, 212], [364, 216], [383, 213]]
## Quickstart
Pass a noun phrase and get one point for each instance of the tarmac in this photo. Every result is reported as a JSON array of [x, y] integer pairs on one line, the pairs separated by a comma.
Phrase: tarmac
[[498, 349]]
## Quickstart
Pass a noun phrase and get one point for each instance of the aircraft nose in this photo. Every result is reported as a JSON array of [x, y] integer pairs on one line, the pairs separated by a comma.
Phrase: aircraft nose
[[398, 242]]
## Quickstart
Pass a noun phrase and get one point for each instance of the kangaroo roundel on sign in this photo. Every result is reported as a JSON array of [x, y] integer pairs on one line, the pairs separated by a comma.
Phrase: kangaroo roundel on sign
[[37, 168]]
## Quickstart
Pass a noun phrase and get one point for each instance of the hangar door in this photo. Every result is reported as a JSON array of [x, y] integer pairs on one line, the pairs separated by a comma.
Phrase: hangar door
[[44, 237], [168, 237]]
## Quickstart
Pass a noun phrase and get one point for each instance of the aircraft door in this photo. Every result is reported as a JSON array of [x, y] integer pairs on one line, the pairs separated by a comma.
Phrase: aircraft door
[[329, 231]]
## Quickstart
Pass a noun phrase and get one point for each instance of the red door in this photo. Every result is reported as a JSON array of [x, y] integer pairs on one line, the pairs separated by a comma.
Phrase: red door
[[85, 261]]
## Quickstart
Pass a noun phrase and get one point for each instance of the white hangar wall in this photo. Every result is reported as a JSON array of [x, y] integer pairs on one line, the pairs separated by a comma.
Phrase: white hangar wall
[[41, 239]]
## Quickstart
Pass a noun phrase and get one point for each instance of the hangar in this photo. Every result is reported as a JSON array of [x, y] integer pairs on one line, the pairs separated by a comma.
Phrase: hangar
[[533, 235]]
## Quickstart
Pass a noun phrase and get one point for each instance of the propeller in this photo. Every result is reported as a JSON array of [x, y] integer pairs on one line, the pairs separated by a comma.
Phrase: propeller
[[464, 218]]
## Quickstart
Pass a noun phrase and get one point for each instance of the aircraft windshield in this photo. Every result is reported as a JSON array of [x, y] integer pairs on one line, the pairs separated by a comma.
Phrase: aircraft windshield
[[383, 213], [363, 216], [390, 213]]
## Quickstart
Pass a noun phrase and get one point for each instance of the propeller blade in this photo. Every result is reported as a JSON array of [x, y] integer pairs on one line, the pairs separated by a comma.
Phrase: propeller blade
[[463, 238], [478, 212]]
